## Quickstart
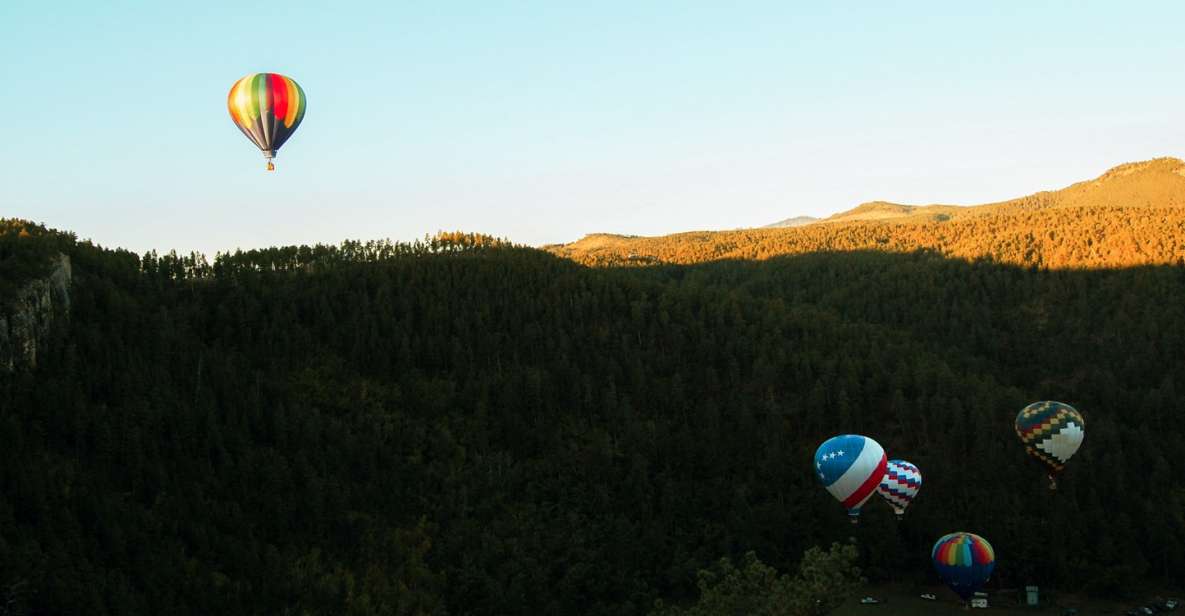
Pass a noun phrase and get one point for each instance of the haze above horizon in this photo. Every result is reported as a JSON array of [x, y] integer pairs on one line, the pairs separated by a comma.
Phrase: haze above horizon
[[542, 123]]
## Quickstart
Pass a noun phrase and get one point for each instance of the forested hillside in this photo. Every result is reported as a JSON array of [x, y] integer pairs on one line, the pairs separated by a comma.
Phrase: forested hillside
[[469, 427], [1133, 214]]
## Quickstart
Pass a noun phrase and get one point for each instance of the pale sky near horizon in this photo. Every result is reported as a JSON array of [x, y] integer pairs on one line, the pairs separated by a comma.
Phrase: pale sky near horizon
[[544, 121]]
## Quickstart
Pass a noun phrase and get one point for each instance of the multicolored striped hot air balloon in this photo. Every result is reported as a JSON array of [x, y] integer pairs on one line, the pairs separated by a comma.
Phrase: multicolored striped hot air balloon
[[964, 562], [900, 485], [850, 466], [1051, 432], [267, 107]]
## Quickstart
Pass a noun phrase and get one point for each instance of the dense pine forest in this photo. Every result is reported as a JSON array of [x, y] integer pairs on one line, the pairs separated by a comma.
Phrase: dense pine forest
[[465, 426]]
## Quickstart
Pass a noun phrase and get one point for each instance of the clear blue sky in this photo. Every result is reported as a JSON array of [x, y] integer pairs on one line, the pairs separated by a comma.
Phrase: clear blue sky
[[543, 121]]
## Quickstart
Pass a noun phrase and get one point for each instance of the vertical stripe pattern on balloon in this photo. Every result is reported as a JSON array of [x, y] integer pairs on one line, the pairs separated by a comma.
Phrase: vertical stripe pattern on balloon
[[267, 108], [964, 562]]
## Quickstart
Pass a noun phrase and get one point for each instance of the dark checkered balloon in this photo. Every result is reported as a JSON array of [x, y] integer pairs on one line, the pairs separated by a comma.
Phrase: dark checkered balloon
[[1051, 432]]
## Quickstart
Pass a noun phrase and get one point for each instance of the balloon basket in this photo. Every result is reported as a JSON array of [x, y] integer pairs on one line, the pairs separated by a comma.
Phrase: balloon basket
[[271, 166]]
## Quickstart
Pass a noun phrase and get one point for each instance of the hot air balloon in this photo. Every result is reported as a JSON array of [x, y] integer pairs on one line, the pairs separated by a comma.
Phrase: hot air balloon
[[900, 485], [964, 562], [267, 107], [850, 466], [1051, 432]]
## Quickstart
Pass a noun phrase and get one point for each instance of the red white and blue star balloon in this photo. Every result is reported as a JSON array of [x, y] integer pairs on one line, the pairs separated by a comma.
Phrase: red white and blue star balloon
[[850, 466]]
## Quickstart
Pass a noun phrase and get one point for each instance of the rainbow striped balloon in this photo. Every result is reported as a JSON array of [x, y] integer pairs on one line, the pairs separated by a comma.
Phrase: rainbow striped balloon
[[267, 107], [964, 561]]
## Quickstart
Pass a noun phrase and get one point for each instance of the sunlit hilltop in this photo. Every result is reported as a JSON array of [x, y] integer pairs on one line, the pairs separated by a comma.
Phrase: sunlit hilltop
[[1131, 215]]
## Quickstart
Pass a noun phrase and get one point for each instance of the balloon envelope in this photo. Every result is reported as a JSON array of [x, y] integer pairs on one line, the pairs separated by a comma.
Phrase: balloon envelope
[[850, 466], [900, 484], [268, 108], [964, 562], [1051, 432]]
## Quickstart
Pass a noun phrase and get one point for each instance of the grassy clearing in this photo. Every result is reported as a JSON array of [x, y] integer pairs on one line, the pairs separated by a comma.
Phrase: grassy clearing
[[906, 601]]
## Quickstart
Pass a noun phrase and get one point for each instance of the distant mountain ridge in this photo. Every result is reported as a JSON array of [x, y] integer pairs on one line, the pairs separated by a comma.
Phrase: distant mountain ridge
[[1132, 214], [1159, 182], [796, 221], [883, 210]]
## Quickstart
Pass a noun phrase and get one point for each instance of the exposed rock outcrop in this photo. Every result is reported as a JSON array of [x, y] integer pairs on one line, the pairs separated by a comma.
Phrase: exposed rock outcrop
[[26, 320]]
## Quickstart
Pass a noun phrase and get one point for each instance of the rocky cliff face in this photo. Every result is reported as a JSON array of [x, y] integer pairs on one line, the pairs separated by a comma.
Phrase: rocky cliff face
[[26, 323]]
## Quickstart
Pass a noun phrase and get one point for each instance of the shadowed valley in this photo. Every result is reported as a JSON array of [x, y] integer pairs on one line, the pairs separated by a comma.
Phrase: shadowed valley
[[464, 426]]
